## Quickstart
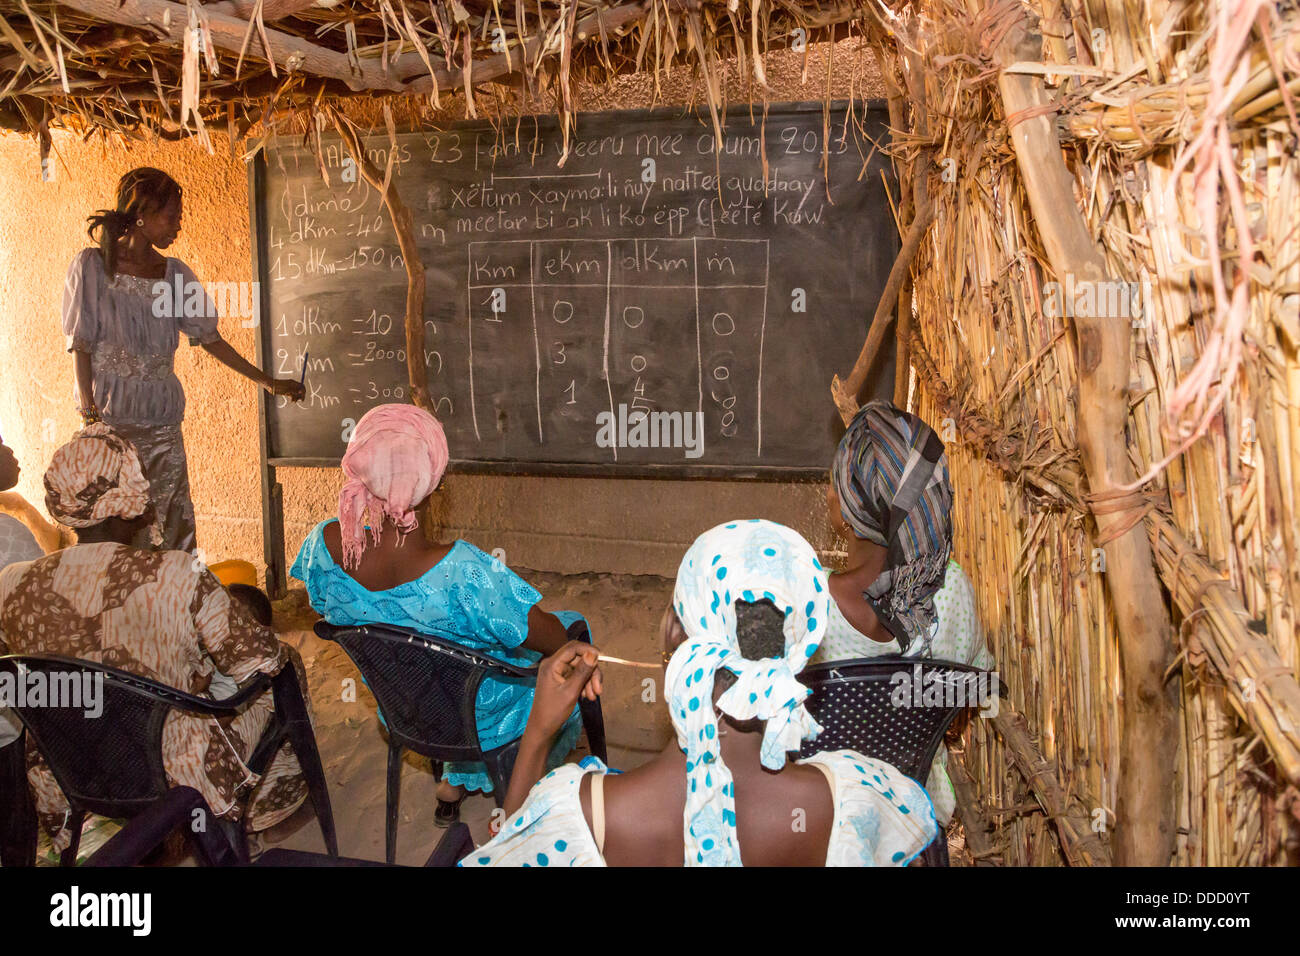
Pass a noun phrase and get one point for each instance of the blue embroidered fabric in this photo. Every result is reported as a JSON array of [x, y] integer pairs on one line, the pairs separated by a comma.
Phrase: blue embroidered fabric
[[469, 596]]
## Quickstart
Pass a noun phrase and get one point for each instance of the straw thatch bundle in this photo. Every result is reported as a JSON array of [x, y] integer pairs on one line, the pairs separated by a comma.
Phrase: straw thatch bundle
[[1098, 293], [1174, 129]]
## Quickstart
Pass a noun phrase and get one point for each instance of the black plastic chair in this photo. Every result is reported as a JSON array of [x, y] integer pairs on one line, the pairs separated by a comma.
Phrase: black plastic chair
[[112, 765], [426, 686], [180, 806], [853, 701]]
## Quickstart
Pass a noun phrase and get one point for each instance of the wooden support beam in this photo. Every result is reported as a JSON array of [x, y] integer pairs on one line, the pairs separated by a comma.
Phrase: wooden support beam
[[845, 393], [411, 67], [1144, 828], [979, 835], [404, 225], [1079, 845], [1259, 684], [271, 9], [291, 53]]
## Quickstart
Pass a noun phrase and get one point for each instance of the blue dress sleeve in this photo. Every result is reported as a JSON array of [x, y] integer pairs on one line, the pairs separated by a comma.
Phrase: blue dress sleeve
[[82, 289], [198, 318]]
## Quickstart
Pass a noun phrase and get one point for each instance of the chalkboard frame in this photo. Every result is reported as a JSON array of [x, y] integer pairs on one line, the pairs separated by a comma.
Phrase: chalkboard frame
[[678, 470]]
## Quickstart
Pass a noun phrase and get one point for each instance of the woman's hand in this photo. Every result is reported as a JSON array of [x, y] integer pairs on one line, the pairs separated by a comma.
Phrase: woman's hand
[[287, 386], [569, 673], [562, 678]]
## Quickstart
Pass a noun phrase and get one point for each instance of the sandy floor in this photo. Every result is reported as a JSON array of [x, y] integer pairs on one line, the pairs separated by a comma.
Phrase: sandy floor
[[623, 611]]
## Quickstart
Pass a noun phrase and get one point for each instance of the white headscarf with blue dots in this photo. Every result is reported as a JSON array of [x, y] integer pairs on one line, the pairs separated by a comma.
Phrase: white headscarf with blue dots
[[749, 561]]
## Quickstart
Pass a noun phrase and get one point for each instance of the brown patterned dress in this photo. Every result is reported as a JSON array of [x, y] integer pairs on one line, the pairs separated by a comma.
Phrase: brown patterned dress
[[163, 616]]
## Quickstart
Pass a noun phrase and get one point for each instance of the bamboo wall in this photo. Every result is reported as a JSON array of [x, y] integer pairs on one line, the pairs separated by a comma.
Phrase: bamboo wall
[[1000, 373]]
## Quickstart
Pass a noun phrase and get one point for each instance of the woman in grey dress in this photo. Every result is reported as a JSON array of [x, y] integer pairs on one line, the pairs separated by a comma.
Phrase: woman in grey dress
[[124, 307]]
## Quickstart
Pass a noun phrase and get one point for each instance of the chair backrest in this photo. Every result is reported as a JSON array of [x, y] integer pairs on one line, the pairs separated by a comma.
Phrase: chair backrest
[[425, 685], [110, 763], [894, 709]]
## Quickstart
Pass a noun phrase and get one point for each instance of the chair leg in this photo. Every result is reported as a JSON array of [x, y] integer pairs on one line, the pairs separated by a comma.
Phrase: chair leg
[[593, 723], [236, 837], [394, 796], [593, 718], [286, 688], [936, 854], [17, 813], [455, 845], [75, 822], [500, 764]]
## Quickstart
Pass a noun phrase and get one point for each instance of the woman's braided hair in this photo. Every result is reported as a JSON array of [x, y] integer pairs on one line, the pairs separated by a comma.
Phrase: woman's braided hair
[[142, 190]]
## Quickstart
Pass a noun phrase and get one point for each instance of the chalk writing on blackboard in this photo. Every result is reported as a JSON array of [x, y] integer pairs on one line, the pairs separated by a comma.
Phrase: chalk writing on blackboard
[[646, 275]]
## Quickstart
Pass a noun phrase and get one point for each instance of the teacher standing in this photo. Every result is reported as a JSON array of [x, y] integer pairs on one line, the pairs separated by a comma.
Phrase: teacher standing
[[123, 325]]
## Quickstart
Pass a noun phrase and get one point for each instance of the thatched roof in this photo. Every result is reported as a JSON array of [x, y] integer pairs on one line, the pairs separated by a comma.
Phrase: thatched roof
[[177, 67]]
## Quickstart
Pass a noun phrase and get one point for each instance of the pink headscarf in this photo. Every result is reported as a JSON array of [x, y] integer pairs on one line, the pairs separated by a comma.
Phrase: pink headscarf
[[395, 459]]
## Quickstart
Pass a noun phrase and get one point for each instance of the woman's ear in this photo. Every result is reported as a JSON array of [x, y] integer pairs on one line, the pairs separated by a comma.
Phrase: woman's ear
[[671, 633]]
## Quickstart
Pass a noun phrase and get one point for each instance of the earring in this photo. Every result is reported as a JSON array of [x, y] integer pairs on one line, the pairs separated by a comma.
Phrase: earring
[[139, 222]]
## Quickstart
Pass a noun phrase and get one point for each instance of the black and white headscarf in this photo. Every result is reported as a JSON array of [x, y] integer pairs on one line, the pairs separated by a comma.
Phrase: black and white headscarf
[[891, 474]]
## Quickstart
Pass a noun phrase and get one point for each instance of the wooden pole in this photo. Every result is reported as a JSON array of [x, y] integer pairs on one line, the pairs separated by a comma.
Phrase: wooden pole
[[1079, 845], [290, 52], [404, 224], [616, 20], [845, 393], [1144, 828], [979, 836]]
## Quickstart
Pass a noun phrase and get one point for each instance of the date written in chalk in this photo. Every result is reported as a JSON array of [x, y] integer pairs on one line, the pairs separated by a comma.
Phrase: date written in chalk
[[1167, 899]]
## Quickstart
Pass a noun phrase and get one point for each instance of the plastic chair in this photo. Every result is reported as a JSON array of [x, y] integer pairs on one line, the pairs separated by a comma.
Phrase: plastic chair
[[853, 701], [113, 765], [174, 810], [426, 686]]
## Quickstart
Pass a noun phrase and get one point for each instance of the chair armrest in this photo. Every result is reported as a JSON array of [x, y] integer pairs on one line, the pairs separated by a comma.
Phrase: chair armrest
[[179, 699]]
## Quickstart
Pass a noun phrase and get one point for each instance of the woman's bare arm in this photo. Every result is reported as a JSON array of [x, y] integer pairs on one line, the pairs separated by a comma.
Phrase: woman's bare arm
[[85, 379], [561, 678], [546, 634], [225, 353]]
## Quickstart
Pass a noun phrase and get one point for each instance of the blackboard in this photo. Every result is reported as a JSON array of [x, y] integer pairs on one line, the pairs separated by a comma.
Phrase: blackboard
[[585, 317]]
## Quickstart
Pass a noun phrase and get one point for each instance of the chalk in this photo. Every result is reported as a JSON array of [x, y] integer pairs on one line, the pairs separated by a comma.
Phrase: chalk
[[303, 380]]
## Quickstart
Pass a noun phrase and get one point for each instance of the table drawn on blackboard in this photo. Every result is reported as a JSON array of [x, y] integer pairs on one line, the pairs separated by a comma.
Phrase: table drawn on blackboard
[[495, 270], [615, 276]]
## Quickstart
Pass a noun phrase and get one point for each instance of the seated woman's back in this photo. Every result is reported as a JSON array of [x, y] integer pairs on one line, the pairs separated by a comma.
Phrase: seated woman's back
[[723, 793], [393, 561], [373, 565], [782, 819]]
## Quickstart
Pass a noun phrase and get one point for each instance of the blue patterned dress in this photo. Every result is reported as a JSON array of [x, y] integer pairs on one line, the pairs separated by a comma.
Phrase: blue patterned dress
[[469, 596]]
